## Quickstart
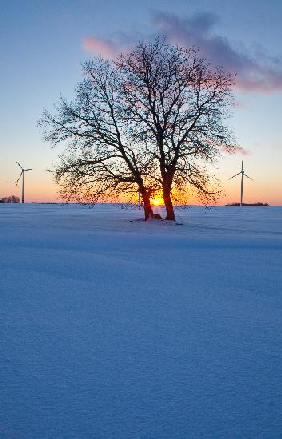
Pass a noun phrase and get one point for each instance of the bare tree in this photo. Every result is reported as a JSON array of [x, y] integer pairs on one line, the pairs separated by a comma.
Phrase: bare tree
[[149, 120], [179, 103], [101, 156]]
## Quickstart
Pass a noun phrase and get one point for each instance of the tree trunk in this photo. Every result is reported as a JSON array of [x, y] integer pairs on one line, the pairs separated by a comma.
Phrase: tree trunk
[[148, 212], [168, 203]]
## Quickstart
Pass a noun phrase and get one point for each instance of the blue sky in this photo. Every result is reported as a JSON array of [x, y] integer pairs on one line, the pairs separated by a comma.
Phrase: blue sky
[[43, 44]]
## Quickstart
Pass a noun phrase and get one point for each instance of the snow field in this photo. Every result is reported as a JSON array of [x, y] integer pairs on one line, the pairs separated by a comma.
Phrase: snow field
[[119, 329]]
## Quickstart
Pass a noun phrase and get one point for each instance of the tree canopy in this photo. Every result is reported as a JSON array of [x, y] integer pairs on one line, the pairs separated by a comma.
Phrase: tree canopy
[[149, 120]]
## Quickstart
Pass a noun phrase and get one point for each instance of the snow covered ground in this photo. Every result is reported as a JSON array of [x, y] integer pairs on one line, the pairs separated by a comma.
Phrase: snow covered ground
[[119, 329]]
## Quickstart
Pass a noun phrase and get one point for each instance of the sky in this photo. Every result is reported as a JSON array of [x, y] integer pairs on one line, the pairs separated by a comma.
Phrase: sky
[[43, 43]]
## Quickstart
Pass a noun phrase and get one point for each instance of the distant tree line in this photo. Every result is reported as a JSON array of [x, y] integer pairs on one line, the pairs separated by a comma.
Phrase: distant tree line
[[10, 199]]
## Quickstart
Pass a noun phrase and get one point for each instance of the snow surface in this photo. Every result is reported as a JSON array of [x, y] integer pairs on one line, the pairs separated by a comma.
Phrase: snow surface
[[119, 329]]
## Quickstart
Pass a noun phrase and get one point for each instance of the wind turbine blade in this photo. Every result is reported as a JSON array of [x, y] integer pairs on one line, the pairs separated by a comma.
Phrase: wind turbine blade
[[234, 176], [28, 169], [19, 178], [19, 165], [245, 175]]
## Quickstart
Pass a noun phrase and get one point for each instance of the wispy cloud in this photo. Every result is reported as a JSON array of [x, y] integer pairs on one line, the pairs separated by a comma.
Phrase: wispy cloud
[[112, 47], [264, 75], [101, 47]]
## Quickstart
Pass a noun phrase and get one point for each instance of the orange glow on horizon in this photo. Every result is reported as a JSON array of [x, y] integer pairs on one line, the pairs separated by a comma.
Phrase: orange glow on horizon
[[39, 189]]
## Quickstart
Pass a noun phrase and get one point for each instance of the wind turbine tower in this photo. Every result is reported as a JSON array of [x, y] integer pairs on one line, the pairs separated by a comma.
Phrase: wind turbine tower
[[22, 176], [243, 174]]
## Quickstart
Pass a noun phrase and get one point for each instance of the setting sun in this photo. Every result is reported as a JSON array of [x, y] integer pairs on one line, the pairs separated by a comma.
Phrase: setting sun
[[157, 201]]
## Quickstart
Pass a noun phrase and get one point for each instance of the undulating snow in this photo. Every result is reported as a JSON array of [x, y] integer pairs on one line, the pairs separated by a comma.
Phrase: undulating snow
[[117, 329]]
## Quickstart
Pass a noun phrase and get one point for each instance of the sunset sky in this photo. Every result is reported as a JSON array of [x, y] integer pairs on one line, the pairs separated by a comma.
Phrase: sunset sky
[[44, 42]]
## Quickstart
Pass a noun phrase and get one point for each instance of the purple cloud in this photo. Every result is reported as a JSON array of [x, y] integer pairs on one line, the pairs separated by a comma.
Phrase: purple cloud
[[264, 75], [257, 72]]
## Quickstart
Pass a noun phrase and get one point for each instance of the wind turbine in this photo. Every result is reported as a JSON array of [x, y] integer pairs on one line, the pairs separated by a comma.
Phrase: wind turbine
[[243, 174], [22, 175]]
